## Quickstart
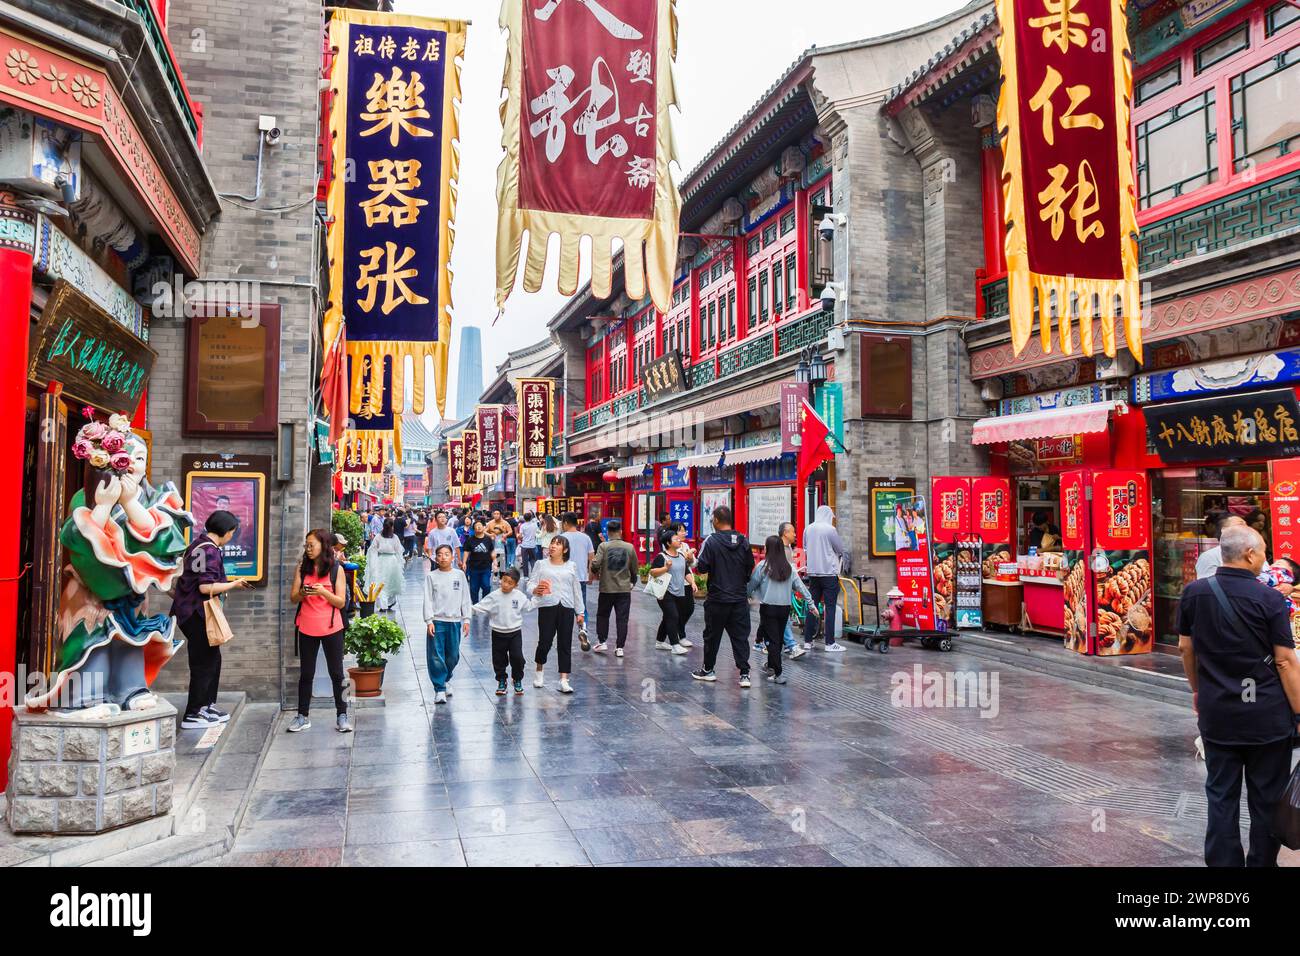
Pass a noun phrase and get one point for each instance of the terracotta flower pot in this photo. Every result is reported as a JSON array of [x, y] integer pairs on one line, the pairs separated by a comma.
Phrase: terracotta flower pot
[[367, 681]]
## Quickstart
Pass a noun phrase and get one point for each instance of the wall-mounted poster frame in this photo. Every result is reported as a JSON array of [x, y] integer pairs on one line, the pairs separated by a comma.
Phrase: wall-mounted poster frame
[[884, 495], [232, 362], [244, 482]]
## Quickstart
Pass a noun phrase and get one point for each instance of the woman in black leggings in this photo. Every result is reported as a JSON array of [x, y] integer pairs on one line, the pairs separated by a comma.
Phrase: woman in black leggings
[[320, 591], [678, 602]]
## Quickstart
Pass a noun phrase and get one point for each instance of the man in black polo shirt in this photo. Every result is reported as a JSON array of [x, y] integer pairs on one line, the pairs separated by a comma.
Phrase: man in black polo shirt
[[1239, 657]]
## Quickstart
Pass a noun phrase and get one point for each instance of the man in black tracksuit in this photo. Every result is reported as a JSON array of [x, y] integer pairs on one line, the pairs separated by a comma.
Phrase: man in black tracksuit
[[726, 558]]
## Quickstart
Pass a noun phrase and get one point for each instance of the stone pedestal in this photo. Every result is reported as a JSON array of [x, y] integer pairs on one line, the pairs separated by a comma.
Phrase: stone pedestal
[[71, 775]]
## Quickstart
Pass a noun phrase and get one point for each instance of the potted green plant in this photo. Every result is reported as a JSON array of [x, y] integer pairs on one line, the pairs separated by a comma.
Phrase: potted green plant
[[371, 639], [643, 572], [701, 586]]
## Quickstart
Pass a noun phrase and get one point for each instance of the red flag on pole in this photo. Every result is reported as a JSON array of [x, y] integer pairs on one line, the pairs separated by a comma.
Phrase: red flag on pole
[[334, 386], [813, 447]]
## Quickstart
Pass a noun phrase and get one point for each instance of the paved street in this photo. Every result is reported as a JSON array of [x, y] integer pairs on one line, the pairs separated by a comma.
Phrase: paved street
[[644, 765]]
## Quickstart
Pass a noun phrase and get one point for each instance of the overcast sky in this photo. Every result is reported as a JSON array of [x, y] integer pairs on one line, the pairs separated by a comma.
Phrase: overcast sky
[[729, 52]]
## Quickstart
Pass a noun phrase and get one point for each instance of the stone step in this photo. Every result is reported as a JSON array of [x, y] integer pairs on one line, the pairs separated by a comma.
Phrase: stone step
[[206, 830]]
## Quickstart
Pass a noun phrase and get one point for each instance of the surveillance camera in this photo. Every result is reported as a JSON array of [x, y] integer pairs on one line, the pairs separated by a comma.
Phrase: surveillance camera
[[826, 229], [830, 295], [273, 136]]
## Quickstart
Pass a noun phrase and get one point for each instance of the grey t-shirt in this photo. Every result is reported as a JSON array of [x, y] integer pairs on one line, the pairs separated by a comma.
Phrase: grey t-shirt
[[676, 571], [580, 551]]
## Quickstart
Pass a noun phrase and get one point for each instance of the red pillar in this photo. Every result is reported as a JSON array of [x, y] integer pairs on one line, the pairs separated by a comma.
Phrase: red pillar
[[15, 311]]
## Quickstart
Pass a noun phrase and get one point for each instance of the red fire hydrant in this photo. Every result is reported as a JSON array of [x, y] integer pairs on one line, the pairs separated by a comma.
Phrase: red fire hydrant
[[893, 613]]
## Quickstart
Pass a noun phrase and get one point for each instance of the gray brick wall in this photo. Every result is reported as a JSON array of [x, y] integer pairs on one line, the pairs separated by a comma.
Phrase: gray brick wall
[[241, 60]]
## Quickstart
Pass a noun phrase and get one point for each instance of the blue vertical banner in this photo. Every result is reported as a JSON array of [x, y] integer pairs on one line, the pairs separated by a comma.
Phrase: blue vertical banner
[[683, 512], [393, 120]]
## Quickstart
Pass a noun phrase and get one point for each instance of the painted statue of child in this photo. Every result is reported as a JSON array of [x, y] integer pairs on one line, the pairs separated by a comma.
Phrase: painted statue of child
[[129, 538]]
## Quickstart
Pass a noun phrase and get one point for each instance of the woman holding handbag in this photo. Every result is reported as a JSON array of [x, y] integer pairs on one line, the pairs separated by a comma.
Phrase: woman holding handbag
[[203, 580], [672, 583]]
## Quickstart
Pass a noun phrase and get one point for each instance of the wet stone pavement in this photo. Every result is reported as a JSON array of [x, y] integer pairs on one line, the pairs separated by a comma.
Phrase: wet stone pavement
[[643, 765]]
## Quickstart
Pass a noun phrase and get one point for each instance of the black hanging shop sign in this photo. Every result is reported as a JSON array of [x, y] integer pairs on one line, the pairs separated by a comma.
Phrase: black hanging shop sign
[[664, 376], [1253, 425]]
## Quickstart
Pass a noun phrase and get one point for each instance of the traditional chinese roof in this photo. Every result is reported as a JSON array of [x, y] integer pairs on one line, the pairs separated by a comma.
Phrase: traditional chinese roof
[[974, 42], [415, 435]]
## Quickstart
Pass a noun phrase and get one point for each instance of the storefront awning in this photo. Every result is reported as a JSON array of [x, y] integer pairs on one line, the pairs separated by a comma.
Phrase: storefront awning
[[632, 471], [700, 461], [742, 456], [1072, 420]]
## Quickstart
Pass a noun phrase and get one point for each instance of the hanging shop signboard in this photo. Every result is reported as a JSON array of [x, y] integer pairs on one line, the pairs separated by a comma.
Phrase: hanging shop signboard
[[1284, 500], [1254, 425], [98, 361], [238, 484], [535, 409], [664, 376], [830, 408], [792, 396], [1071, 203], [488, 418]]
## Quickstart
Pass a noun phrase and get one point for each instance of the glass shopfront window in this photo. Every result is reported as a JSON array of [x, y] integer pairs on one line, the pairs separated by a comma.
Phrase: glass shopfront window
[[1180, 500]]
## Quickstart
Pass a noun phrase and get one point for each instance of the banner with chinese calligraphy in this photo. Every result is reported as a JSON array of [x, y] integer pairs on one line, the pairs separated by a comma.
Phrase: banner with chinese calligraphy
[[393, 119], [488, 419], [363, 454], [588, 141], [1252, 426], [455, 468], [380, 424], [472, 481], [536, 400], [1284, 501], [1071, 204]]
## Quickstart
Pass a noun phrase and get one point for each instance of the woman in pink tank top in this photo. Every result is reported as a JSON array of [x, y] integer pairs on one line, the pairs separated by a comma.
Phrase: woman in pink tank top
[[320, 591]]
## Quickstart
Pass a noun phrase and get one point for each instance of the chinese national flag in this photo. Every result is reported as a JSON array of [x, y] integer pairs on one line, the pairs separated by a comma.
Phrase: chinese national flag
[[813, 447], [334, 387]]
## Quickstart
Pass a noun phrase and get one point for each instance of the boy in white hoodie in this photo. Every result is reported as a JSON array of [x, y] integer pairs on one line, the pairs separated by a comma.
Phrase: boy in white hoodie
[[447, 611], [505, 610]]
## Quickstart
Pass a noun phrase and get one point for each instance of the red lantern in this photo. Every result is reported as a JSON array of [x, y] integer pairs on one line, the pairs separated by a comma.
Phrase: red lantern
[[610, 476]]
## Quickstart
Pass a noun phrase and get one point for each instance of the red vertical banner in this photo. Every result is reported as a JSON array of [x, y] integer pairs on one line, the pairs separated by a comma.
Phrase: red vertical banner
[[488, 419], [950, 499], [1284, 500], [991, 509], [915, 578], [1075, 542], [792, 396], [1121, 563], [472, 480], [1071, 202], [456, 467], [588, 142], [535, 405]]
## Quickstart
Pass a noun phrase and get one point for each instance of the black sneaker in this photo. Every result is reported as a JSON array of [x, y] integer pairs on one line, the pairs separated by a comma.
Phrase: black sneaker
[[501, 688], [744, 680], [583, 642], [200, 721], [221, 716], [704, 675]]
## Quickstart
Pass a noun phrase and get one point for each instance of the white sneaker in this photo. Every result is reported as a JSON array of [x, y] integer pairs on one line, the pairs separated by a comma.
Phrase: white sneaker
[[565, 686], [685, 642], [835, 648], [441, 697], [797, 653], [600, 648], [679, 649], [663, 646], [448, 692], [618, 652], [807, 645], [539, 680]]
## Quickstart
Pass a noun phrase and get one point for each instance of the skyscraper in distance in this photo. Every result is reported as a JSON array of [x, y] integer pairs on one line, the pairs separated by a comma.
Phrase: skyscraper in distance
[[469, 371]]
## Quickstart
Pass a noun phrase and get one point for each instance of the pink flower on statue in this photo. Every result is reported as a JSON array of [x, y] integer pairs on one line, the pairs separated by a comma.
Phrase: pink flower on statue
[[113, 442], [81, 449], [120, 462], [94, 431]]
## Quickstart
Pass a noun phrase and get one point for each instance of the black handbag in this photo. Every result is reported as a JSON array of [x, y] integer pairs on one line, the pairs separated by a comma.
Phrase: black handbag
[[1286, 819]]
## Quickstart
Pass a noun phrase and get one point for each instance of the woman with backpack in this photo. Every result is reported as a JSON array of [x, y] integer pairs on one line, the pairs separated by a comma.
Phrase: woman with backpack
[[677, 601], [320, 591], [204, 579], [774, 580]]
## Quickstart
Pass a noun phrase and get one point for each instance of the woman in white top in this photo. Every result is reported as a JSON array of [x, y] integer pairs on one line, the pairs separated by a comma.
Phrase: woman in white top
[[554, 585], [385, 563]]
